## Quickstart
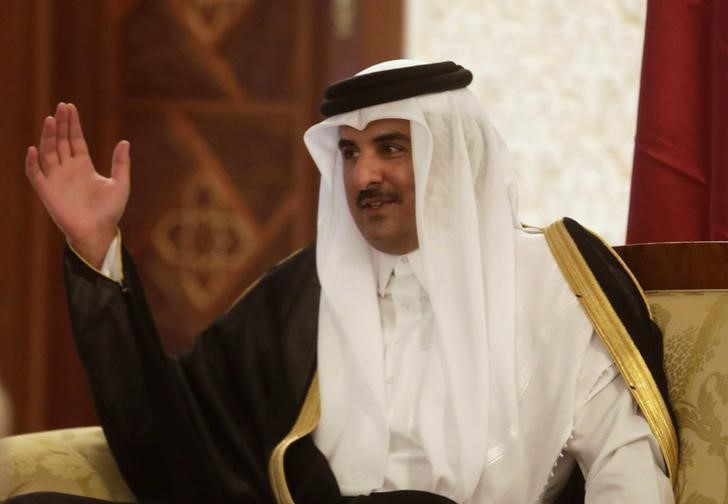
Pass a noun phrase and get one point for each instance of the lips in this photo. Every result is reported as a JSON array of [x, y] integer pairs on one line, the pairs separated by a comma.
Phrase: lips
[[376, 202]]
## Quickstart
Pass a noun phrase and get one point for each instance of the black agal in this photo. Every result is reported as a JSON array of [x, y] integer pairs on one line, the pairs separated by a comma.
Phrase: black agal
[[392, 85]]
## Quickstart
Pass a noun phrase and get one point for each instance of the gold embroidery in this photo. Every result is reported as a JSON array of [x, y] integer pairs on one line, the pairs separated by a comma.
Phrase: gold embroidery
[[306, 422], [607, 324]]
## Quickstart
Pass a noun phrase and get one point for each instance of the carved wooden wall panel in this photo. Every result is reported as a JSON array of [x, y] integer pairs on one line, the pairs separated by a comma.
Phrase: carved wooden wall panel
[[214, 96], [214, 118], [23, 226]]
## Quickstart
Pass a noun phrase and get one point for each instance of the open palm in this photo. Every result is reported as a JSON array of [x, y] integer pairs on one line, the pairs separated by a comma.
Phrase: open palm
[[84, 205]]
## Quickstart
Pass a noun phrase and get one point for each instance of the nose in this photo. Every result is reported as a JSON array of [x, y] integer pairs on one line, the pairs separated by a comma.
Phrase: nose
[[369, 170]]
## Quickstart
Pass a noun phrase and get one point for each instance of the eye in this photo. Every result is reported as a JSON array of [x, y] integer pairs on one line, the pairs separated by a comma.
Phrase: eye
[[391, 148], [348, 153]]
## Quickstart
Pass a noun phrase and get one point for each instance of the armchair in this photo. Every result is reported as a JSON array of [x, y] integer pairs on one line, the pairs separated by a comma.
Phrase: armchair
[[687, 288]]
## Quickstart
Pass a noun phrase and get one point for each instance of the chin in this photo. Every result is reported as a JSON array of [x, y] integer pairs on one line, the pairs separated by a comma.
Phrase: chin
[[387, 240], [393, 248]]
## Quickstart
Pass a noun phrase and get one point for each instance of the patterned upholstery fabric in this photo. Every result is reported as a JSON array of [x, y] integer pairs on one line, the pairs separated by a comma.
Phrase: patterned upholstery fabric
[[75, 461], [695, 329]]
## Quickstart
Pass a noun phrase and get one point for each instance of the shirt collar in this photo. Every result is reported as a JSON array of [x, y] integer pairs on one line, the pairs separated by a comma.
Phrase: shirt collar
[[384, 265]]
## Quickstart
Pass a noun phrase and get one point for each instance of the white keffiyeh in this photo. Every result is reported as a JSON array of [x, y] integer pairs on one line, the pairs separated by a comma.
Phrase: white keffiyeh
[[512, 341]]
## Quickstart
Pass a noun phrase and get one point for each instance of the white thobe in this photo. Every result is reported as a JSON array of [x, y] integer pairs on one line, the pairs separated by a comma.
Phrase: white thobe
[[611, 442]]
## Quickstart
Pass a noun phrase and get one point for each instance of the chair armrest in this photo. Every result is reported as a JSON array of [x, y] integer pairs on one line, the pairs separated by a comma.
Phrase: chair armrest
[[75, 461]]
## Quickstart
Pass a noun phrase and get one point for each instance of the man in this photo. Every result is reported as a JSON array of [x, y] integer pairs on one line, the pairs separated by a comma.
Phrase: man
[[428, 349]]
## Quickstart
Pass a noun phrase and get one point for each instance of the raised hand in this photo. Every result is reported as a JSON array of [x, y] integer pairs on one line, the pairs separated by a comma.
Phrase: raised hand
[[84, 205]]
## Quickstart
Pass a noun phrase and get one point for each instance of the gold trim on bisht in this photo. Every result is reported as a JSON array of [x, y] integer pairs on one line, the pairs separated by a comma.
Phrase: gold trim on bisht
[[305, 424], [608, 325]]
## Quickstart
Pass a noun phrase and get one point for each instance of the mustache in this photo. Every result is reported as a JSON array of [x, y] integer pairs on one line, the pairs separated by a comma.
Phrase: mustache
[[377, 193]]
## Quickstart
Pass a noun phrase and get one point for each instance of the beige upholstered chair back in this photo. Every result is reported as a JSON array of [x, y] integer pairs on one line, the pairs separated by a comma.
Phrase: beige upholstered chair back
[[687, 289]]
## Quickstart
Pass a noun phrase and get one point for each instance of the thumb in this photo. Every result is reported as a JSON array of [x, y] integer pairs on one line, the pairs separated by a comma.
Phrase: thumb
[[121, 162]]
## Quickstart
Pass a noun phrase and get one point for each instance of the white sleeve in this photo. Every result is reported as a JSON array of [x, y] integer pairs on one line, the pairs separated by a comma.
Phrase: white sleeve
[[111, 267], [616, 450]]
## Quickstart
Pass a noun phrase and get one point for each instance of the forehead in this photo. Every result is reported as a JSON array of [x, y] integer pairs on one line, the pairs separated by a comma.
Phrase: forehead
[[375, 129]]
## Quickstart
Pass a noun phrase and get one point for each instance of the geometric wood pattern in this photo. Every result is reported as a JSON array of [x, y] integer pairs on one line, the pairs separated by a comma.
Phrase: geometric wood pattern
[[214, 97], [215, 119], [206, 239], [211, 20]]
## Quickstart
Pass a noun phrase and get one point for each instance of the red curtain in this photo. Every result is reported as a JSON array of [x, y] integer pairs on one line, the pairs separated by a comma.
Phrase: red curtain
[[680, 174]]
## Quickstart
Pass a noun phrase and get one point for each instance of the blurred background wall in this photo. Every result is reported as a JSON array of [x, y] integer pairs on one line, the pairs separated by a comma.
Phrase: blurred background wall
[[560, 81], [215, 95]]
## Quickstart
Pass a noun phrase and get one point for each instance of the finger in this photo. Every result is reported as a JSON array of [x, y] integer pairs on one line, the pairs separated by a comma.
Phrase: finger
[[32, 168], [34, 173], [62, 144], [47, 145], [121, 162], [78, 142]]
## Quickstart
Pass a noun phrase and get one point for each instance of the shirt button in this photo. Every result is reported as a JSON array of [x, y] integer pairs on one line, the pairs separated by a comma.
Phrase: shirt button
[[405, 259], [390, 380], [406, 306]]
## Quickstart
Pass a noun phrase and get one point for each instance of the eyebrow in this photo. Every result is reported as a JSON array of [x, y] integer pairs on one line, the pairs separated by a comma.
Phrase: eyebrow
[[345, 143], [386, 137]]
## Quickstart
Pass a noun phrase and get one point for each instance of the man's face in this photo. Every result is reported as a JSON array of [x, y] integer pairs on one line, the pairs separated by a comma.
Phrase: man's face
[[380, 183]]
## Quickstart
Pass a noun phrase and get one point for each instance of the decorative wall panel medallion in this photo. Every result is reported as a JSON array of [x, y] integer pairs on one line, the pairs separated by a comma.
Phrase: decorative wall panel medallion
[[206, 239]]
